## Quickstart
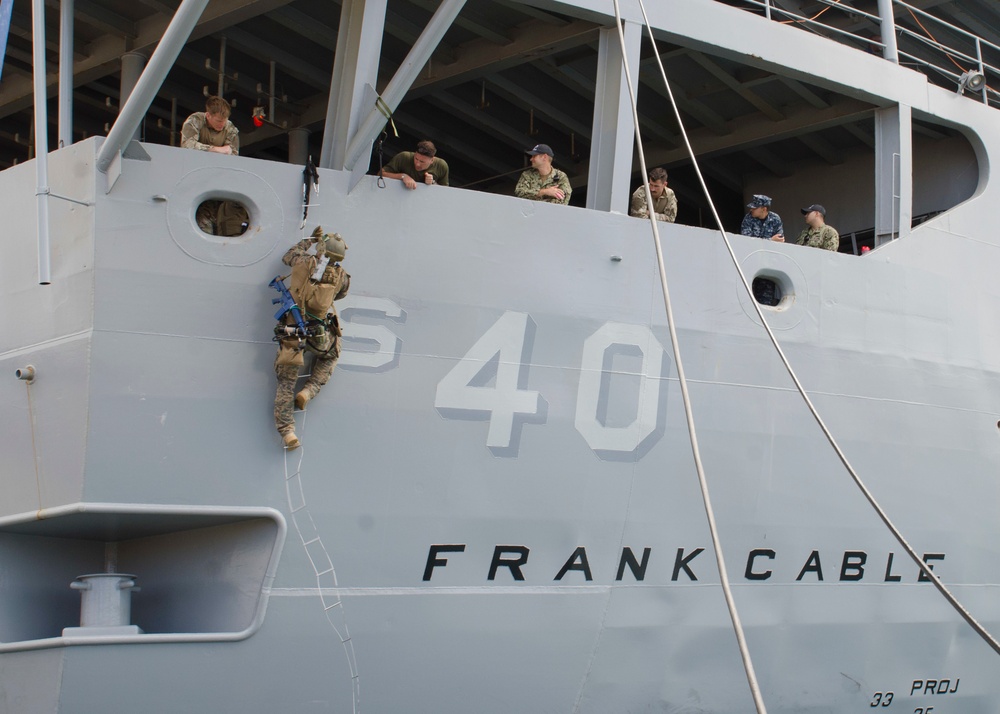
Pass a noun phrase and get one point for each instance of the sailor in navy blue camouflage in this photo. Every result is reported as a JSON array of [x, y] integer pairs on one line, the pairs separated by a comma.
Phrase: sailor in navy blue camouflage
[[761, 221], [317, 280]]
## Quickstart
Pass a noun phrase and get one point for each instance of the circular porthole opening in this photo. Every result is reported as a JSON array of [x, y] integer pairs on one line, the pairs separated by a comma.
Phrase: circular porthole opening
[[773, 289], [767, 291], [218, 217]]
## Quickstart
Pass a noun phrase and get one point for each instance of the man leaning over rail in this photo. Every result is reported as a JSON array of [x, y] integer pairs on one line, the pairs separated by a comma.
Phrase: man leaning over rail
[[211, 130], [420, 166]]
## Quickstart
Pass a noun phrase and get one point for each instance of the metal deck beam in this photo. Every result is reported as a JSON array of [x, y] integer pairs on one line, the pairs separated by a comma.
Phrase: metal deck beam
[[612, 135]]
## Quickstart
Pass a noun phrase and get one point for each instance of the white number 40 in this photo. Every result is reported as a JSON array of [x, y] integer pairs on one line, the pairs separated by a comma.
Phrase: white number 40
[[499, 357], [490, 383]]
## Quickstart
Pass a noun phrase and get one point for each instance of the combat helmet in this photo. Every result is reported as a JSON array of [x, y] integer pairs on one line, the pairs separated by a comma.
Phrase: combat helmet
[[333, 244]]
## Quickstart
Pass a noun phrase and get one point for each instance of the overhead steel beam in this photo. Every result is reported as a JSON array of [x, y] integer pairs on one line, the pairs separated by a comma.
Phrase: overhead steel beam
[[757, 130], [860, 134], [290, 63], [355, 67], [176, 34], [766, 158], [613, 132], [481, 118], [160, 6], [407, 32], [517, 95], [699, 111], [805, 92], [587, 88], [195, 62], [103, 54], [480, 57], [20, 26], [534, 13], [305, 26], [823, 148], [721, 173], [100, 18], [401, 82], [468, 22], [732, 83]]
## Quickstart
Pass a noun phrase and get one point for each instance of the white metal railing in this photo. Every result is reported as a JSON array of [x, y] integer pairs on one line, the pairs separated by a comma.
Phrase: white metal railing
[[948, 61]]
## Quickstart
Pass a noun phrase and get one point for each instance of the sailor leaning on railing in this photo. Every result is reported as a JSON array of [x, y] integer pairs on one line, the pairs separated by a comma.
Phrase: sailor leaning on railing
[[211, 130]]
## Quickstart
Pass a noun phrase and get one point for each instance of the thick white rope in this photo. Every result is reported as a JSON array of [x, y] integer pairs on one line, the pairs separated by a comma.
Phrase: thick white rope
[[688, 414], [924, 568]]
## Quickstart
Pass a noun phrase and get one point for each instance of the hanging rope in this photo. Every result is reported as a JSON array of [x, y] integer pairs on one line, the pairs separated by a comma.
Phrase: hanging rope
[[682, 379], [924, 568]]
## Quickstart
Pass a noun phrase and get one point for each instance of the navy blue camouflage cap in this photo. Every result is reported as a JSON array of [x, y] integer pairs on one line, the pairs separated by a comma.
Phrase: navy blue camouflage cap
[[758, 201], [814, 207], [540, 149]]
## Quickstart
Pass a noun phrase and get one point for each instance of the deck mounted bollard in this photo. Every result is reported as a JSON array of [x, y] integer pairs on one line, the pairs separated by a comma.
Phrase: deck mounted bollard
[[105, 605]]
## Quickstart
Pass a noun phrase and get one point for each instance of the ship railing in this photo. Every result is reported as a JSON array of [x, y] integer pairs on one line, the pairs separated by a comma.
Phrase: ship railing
[[950, 63], [856, 242]]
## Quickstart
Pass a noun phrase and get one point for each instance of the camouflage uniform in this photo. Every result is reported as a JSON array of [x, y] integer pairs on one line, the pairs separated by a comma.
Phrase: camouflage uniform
[[197, 134], [402, 163], [756, 228], [315, 299], [825, 237], [531, 182], [222, 218], [664, 207]]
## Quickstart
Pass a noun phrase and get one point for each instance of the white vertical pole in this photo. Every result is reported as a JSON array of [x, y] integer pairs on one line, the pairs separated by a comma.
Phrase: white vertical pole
[[888, 25], [65, 73], [41, 139]]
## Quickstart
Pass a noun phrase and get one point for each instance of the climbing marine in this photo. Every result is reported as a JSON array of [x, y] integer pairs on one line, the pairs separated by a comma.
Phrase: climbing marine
[[307, 322]]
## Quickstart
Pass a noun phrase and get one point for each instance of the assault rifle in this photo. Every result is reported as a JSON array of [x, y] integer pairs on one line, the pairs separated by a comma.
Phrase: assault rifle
[[288, 305]]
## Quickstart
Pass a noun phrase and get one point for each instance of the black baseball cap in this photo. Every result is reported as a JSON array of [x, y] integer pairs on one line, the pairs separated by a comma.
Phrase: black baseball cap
[[540, 149], [814, 207]]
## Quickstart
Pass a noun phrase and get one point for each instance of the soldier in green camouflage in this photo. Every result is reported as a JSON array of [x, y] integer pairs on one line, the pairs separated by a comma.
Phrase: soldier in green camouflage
[[818, 234], [543, 182], [664, 200], [314, 296], [211, 130]]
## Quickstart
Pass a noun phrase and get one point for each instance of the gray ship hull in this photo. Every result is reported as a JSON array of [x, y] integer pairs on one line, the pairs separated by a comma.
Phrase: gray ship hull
[[495, 508], [530, 537]]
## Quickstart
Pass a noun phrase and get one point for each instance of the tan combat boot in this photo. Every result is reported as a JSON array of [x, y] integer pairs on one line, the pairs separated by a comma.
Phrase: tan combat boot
[[301, 399], [291, 441]]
